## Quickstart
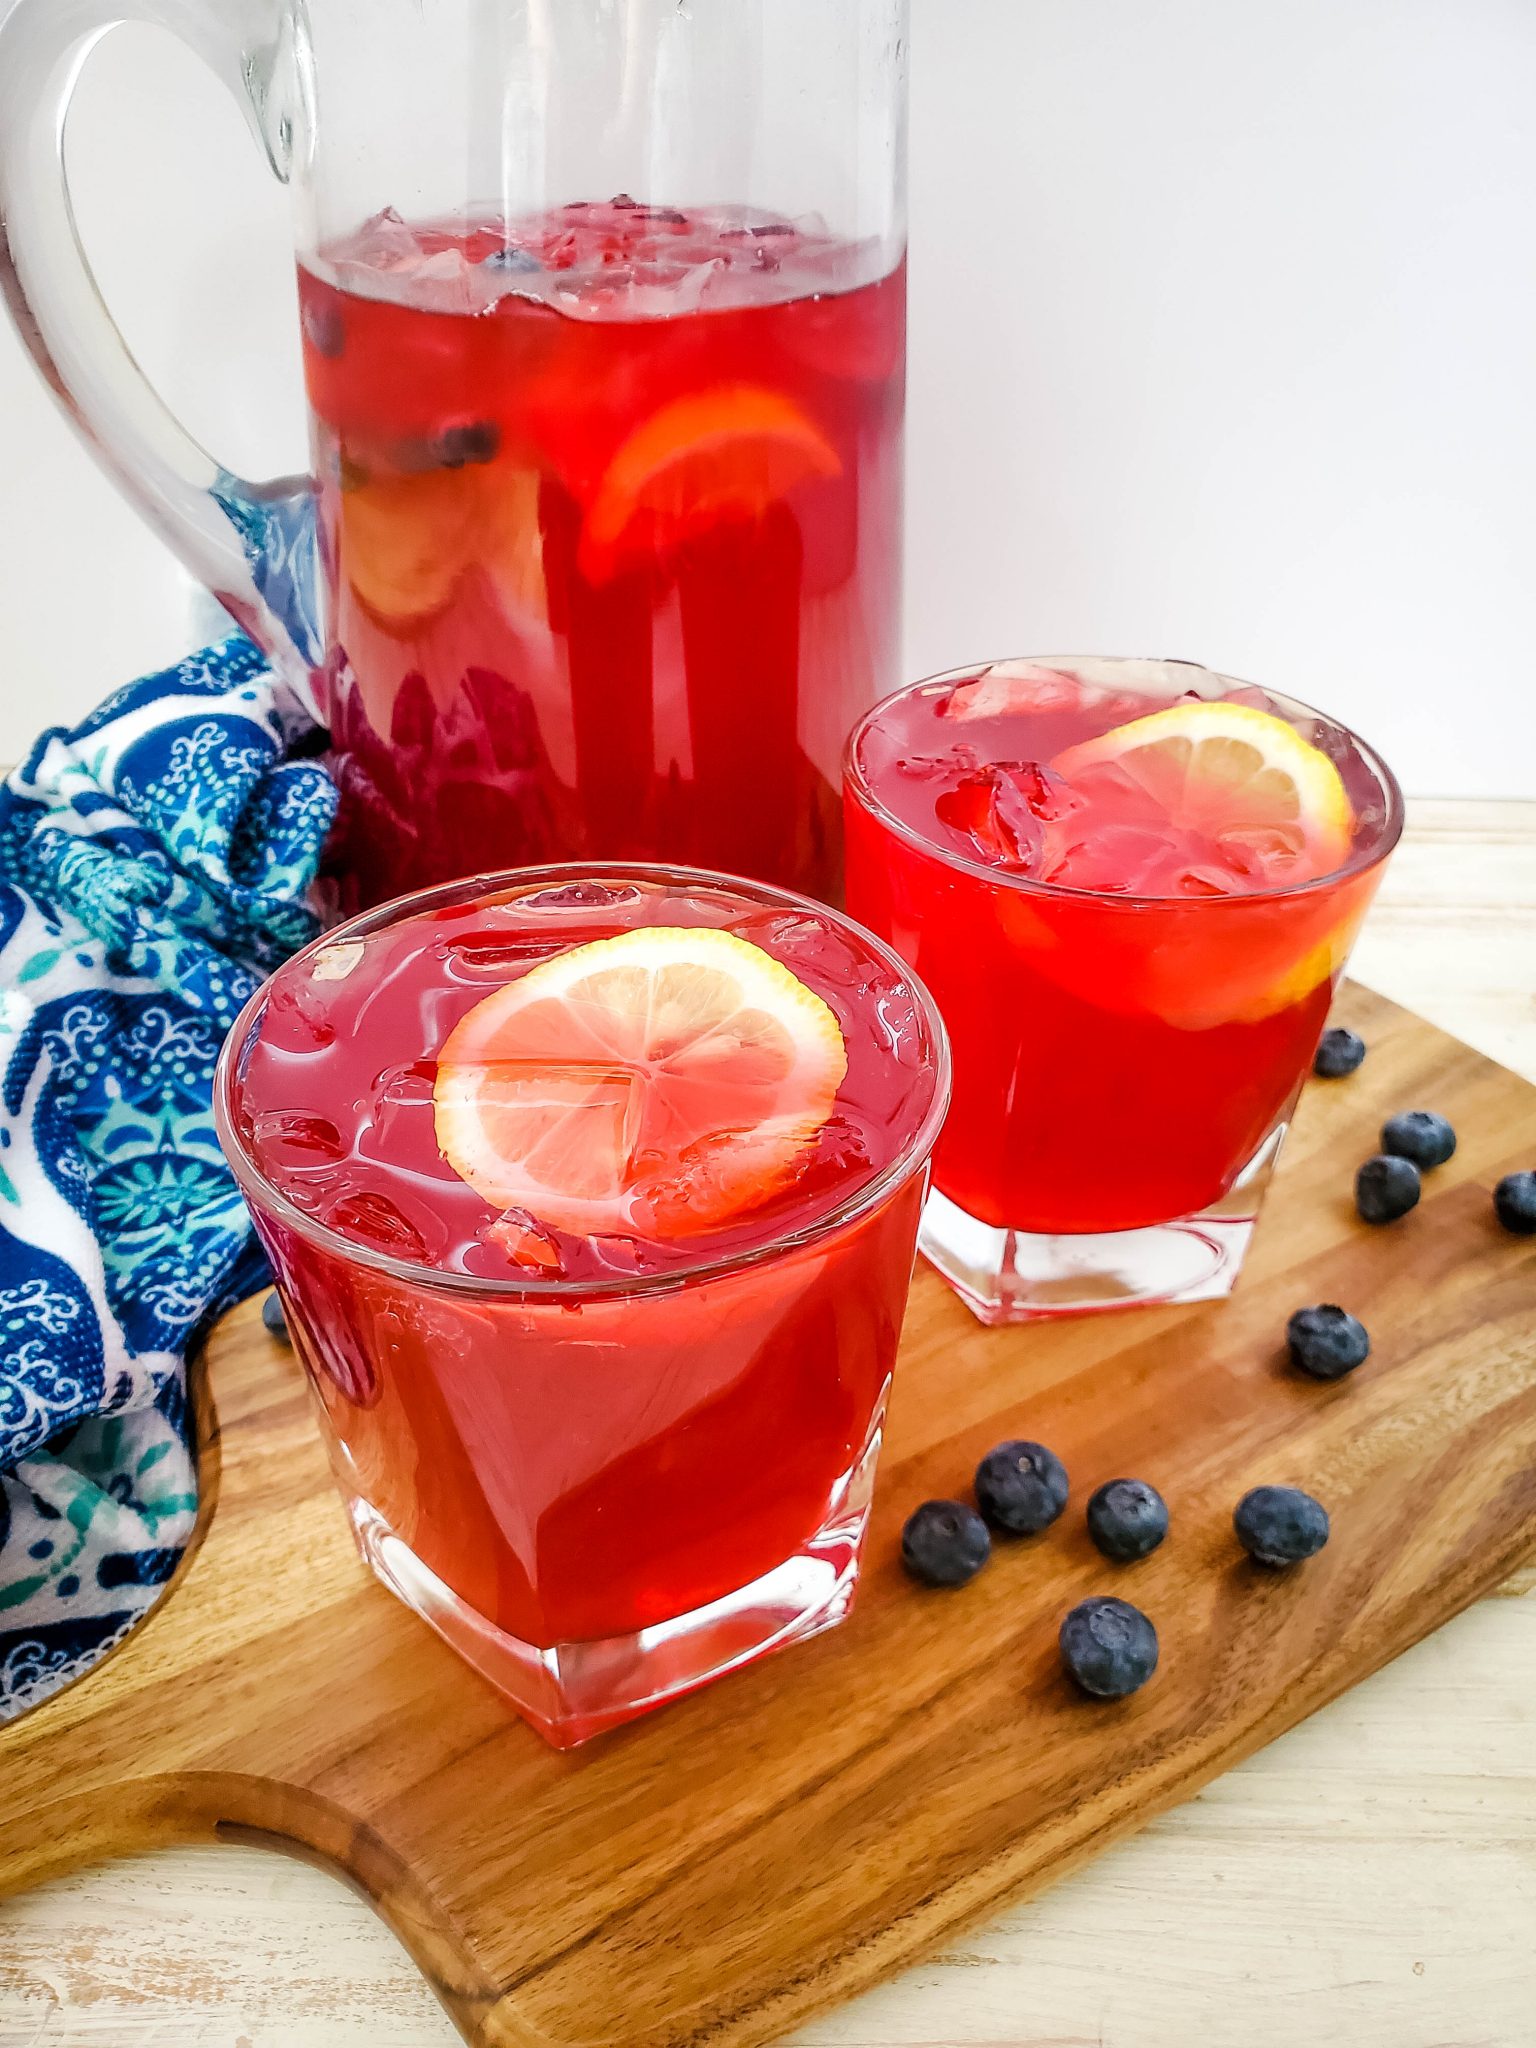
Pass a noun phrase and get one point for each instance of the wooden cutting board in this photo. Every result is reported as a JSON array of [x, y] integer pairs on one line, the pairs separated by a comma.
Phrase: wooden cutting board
[[715, 1873]]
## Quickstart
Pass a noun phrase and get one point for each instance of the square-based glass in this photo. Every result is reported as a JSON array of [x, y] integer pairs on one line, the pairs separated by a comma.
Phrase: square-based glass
[[1125, 1065], [601, 1490]]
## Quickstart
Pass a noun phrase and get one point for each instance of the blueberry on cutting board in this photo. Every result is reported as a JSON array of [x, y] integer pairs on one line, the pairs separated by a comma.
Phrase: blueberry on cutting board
[[1021, 1487], [1108, 1648], [1280, 1525], [1339, 1053], [1420, 1135], [1127, 1520], [945, 1543], [1326, 1341], [1386, 1188], [1514, 1203]]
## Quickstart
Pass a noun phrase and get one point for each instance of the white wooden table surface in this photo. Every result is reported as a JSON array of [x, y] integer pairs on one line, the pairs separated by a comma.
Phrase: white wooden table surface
[[1367, 1882]]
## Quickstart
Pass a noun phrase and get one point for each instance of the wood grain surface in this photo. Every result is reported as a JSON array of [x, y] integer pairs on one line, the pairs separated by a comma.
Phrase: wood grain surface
[[807, 1811]]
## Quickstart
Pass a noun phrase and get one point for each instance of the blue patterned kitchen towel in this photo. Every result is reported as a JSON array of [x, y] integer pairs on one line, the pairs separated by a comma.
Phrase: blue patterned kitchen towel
[[155, 864]]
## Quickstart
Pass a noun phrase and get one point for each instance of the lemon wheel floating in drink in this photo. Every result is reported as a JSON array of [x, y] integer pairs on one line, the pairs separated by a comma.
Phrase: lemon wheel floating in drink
[[1132, 886], [593, 1196]]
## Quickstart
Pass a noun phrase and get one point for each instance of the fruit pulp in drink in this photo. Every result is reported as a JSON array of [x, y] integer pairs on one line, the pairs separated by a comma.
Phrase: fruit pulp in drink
[[610, 507], [1135, 967], [583, 1435]]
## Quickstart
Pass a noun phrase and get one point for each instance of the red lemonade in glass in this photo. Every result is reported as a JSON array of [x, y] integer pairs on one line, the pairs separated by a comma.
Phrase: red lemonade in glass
[[592, 1198], [610, 510], [1132, 887]]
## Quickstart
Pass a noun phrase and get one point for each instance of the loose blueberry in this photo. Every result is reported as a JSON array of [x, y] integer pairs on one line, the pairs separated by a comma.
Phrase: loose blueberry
[[1514, 1203], [272, 1315], [945, 1543], [1419, 1135], [1386, 1188], [1338, 1054], [1021, 1488], [1127, 1519], [1327, 1341], [1108, 1647], [1280, 1525]]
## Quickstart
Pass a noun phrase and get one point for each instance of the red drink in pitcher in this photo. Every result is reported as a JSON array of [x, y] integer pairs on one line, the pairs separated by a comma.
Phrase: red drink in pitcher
[[611, 506], [1132, 887], [593, 1198]]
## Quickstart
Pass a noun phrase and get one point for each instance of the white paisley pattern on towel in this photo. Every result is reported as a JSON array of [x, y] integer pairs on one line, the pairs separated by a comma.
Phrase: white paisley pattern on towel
[[155, 864]]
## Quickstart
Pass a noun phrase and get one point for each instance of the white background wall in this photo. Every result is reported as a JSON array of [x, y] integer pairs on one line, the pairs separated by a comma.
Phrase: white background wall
[[1223, 345]]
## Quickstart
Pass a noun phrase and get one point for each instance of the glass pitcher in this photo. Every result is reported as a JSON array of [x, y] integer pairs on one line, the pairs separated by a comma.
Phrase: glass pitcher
[[603, 311]]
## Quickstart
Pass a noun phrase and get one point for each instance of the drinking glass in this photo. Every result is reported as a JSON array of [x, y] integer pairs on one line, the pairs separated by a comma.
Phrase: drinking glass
[[1125, 1066], [603, 312], [601, 1488]]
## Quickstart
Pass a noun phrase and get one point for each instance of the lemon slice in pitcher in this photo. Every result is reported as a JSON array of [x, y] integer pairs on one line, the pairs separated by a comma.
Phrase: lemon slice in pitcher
[[655, 1084], [729, 452]]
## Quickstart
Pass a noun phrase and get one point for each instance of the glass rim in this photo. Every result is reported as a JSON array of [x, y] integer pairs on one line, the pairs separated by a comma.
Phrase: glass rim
[[912, 1156], [1362, 858]]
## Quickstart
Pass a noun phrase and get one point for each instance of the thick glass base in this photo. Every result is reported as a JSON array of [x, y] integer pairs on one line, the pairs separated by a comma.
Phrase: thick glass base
[[1018, 1276], [576, 1690]]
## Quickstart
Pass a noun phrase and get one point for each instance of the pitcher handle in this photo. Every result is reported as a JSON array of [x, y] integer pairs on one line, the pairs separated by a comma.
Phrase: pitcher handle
[[253, 544]]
